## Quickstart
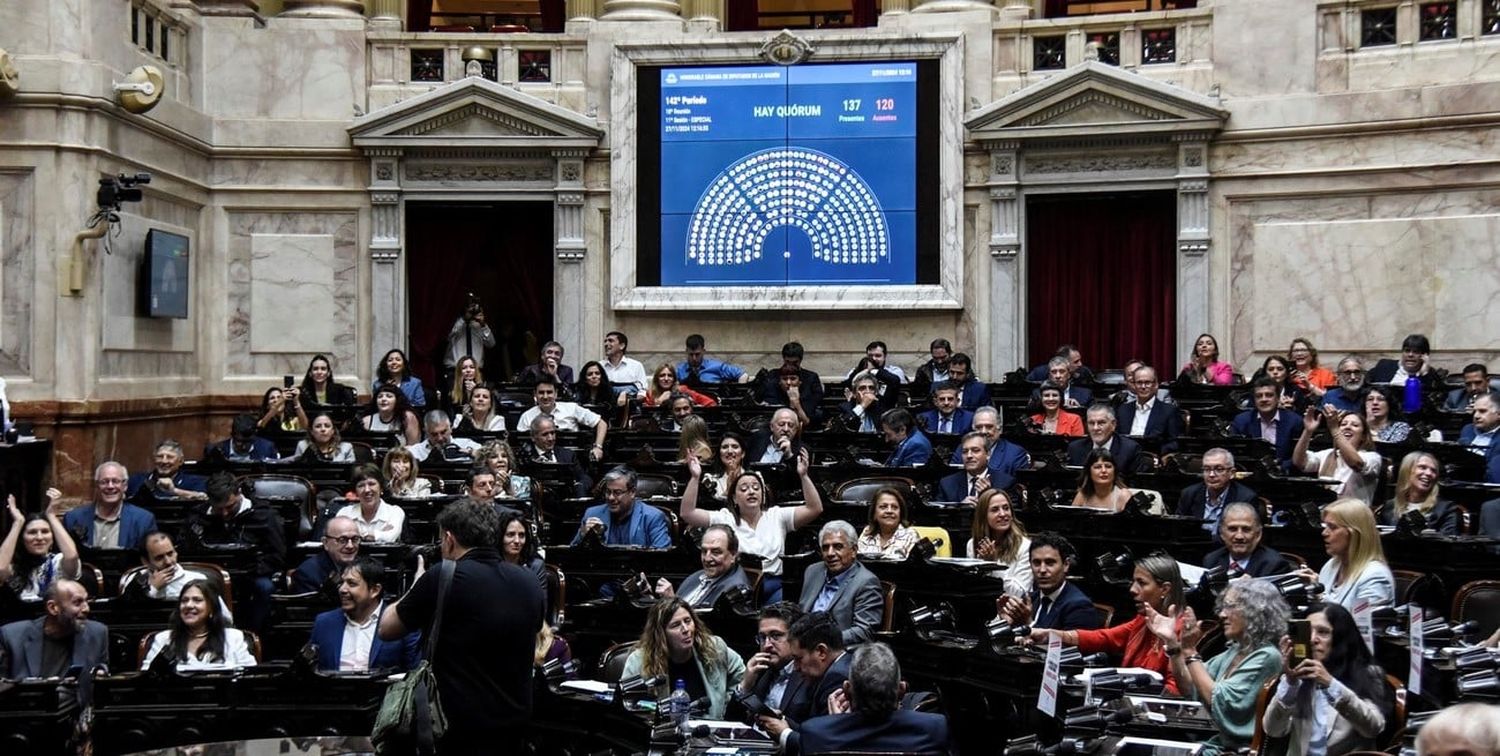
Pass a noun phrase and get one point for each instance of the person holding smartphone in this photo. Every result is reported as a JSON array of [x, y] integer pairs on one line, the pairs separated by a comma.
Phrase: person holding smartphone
[[1333, 699]]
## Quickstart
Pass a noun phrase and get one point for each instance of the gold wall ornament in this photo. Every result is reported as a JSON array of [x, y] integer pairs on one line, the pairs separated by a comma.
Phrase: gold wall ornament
[[10, 78], [786, 49]]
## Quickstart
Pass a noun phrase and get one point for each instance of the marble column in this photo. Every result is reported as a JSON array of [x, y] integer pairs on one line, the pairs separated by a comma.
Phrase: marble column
[[569, 310], [386, 10], [323, 8], [705, 15], [642, 10], [228, 7], [387, 282], [1192, 242], [581, 10], [1013, 11], [1006, 318], [944, 6], [895, 7]]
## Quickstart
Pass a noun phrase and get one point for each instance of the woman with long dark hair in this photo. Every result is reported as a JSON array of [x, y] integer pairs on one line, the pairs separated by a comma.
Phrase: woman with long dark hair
[[593, 386], [388, 412], [677, 646], [28, 562], [280, 409], [518, 548], [1100, 486], [395, 370], [1335, 701], [320, 390], [323, 443], [200, 636]]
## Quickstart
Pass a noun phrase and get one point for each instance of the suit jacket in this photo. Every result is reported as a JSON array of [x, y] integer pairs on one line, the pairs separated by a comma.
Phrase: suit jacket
[[1164, 423], [963, 421], [1444, 517], [1263, 561], [135, 523], [761, 440], [1126, 451], [1006, 459], [857, 606], [568, 458], [796, 700], [1467, 433], [736, 576], [1073, 610], [1342, 400], [647, 527], [181, 480], [1288, 428], [21, 647], [1041, 373], [1190, 504], [1079, 394], [811, 388], [908, 732], [1492, 466], [954, 487], [833, 678], [913, 452], [532, 374], [1458, 400], [328, 636], [261, 450], [974, 394], [317, 574], [1385, 370]]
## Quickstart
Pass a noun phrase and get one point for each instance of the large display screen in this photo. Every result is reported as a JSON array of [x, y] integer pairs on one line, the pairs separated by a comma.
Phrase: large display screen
[[785, 175]]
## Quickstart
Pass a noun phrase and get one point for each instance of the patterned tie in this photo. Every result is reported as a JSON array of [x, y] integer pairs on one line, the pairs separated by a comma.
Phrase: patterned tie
[[945, 425]]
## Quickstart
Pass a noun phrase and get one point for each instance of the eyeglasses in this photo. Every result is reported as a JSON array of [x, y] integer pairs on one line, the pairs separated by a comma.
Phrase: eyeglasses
[[111, 481], [616, 493], [343, 540], [1217, 470], [761, 638]]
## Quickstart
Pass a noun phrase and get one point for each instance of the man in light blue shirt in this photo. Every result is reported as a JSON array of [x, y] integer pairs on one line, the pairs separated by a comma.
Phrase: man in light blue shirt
[[698, 370]]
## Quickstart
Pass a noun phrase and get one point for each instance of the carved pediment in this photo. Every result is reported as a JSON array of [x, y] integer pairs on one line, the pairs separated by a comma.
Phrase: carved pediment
[[472, 113], [1095, 100]]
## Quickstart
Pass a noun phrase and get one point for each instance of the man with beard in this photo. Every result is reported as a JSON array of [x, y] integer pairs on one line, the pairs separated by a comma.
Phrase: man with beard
[[60, 642], [346, 639]]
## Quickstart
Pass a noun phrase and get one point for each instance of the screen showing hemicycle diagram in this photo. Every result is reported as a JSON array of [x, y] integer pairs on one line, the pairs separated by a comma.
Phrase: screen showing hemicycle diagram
[[798, 175]]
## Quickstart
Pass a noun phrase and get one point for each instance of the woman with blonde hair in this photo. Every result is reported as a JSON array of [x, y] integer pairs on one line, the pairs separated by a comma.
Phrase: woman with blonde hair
[[466, 377], [664, 384], [694, 441], [1417, 489], [998, 536], [677, 646], [401, 475], [502, 460], [1356, 567]]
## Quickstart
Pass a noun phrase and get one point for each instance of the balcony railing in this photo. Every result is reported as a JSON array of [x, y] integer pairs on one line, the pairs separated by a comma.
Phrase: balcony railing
[[1139, 40]]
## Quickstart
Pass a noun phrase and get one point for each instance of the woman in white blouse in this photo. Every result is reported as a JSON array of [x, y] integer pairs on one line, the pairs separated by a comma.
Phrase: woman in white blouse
[[37, 550], [999, 537], [761, 528], [200, 636], [1352, 459], [480, 414], [378, 520], [888, 533]]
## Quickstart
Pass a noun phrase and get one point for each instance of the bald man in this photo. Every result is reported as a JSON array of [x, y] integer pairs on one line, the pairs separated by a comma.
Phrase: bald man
[[61, 642]]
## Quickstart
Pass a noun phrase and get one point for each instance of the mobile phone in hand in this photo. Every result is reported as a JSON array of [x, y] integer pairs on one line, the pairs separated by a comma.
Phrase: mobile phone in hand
[[1300, 631], [286, 381]]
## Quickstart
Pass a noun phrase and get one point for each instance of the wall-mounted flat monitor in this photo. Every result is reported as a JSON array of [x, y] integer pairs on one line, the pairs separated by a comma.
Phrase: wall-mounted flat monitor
[[809, 175], [163, 281]]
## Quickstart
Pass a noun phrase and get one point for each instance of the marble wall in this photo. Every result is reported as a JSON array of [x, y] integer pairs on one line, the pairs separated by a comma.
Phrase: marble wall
[[17, 266]]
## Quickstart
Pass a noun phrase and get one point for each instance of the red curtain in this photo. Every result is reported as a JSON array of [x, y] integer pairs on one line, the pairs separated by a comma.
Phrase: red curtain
[[418, 15], [1102, 274], [742, 15], [554, 15], [503, 254]]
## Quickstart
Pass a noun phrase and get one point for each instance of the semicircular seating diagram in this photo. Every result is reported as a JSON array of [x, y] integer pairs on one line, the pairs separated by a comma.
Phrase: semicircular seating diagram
[[788, 186]]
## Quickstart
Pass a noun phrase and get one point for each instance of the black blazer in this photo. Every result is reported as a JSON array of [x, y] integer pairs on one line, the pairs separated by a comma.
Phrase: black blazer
[[796, 700], [832, 680], [1385, 370], [1190, 504], [1072, 611], [1444, 517], [1126, 451], [1164, 423], [1264, 561], [907, 732], [1288, 428], [567, 458], [954, 487]]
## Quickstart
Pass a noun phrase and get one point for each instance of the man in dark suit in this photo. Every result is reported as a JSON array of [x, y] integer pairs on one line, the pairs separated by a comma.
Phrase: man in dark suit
[[862, 406], [1481, 434], [868, 716], [1060, 373], [1099, 424], [816, 645], [1243, 553], [1476, 384], [166, 479], [1148, 416], [946, 417], [1053, 603], [346, 639], [321, 572], [1077, 371], [110, 523], [912, 448], [1206, 500], [60, 642], [232, 519], [809, 386], [718, 552], [1415, 351], [1269, 421], [781, 441], [243, 445], [972, 394], [550, 367], [934, 371], [841, 586], [1005, 458], [544, 450], [771, 674], [965, 486]]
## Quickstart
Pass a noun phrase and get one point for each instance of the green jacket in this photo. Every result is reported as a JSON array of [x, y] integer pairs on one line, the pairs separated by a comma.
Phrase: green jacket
[[1232, 706], [719, 680]]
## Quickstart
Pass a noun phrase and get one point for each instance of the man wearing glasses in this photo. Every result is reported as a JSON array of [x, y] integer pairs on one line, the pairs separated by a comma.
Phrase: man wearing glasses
[[623, 521], [320, 572], [1348, 396], [110, 523], [770, 673], [1207, 500]]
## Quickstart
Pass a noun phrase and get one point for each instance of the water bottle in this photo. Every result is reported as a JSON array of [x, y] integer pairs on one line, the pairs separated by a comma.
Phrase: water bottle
[[1412, 400], [678, 705]]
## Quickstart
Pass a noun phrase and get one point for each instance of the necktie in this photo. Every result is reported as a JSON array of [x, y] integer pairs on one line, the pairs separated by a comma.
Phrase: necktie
[[1043, 608], [548, 457], [699, 592], [973, 485], [945, 425]]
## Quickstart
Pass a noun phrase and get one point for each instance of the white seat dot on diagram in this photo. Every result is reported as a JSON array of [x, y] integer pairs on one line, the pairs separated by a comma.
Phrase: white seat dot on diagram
[[788, 186]]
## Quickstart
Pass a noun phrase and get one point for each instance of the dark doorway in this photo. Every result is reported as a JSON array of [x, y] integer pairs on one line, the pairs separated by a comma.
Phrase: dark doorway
[[502, 253], [1102, 274]]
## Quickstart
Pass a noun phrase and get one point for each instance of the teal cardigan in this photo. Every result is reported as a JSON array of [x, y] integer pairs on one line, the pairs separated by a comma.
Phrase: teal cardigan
[[719, 680], [1232, 706]]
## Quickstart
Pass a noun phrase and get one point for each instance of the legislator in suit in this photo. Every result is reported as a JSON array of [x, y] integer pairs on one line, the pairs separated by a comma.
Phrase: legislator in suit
[[854, 600], [328, 636]]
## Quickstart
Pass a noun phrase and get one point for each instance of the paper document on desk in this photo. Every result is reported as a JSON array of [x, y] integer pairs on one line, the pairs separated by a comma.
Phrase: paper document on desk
[[1192, 574], [586, 686]]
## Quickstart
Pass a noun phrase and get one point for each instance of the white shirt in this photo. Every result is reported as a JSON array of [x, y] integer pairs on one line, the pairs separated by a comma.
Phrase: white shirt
[[1354, 484], [567, 415], [767, 539], [479, 338], [628, 371], [1142, 416], [354, 654], [174, 586], [422, 449], [52, 566], [344, 452], [1018, 573], [384, 528], [236, 652]]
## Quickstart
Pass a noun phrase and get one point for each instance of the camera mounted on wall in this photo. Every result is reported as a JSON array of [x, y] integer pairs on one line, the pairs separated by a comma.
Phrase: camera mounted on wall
[[114, 192]]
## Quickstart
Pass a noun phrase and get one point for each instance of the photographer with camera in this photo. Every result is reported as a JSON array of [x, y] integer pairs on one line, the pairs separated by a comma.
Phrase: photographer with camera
[[469, 337]]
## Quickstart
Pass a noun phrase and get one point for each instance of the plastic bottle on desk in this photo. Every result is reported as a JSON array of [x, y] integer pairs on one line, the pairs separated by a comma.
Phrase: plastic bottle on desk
[[1412, 400], [679, 704]]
